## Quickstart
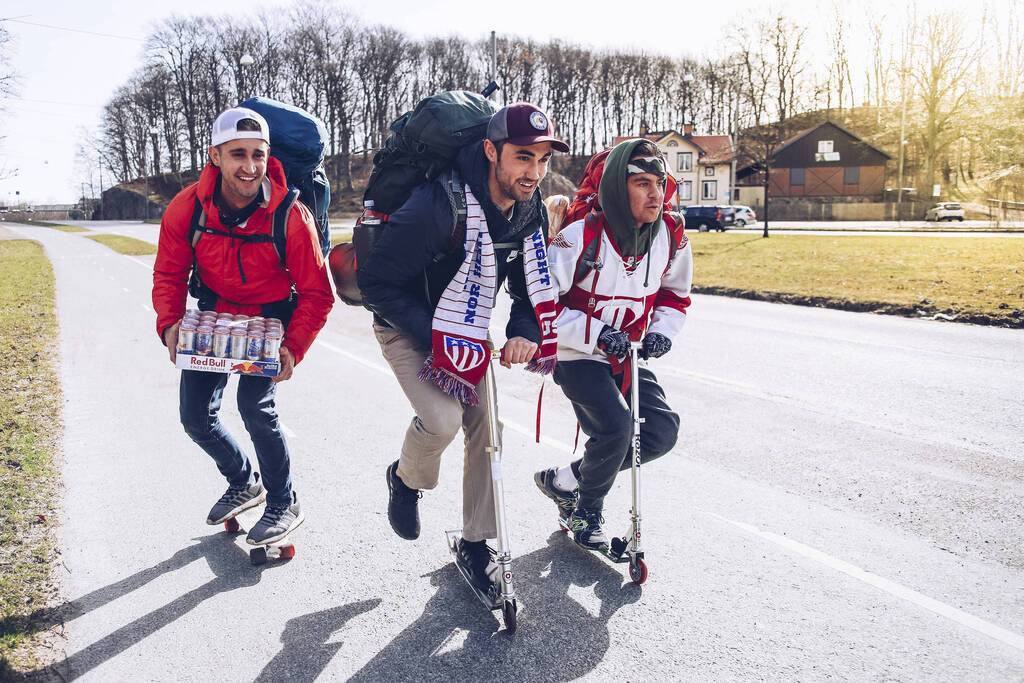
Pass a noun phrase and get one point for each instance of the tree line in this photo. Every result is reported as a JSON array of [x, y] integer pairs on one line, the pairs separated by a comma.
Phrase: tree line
[[923, 73]]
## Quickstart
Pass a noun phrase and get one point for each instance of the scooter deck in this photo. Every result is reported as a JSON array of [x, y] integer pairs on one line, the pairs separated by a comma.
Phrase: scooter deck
[[614, 552], [491, 598]]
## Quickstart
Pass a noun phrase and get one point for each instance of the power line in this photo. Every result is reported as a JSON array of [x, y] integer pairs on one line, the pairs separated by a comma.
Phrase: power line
[[73, 30]]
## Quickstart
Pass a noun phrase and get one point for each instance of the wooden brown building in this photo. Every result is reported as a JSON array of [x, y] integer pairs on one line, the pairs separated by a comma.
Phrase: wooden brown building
[[824, 161]]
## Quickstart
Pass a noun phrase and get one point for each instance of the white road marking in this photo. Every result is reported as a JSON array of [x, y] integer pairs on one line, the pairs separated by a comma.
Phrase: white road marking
[[147, 266], [146, 308], [125, 289], [891, 587], [898, 590]]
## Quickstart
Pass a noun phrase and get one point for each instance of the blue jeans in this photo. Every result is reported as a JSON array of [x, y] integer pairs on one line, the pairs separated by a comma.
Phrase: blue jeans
[[200, 396]]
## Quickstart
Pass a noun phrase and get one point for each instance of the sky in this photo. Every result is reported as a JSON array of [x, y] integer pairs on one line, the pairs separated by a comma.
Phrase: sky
[[66, 77]]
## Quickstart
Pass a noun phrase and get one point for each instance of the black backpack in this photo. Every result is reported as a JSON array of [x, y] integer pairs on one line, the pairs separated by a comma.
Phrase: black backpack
[[422, 146]]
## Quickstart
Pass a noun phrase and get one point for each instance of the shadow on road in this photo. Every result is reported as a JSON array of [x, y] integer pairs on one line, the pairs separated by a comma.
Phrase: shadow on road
[[228, 562], [457, 638], [306, 652]]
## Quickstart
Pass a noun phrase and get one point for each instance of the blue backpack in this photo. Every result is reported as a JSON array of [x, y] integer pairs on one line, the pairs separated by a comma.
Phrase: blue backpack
[[298, 140]]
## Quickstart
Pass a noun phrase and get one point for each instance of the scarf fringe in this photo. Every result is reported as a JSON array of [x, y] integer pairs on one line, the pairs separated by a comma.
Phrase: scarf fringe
[[543, 366], [450, 384]]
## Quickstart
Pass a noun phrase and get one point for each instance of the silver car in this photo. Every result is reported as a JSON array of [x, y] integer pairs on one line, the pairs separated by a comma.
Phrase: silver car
[[744, 215], [946, 211]]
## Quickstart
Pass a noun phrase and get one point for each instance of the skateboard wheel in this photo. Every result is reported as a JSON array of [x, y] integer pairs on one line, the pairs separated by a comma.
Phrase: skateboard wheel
[[287, 552], [231, 526], [508, 613], [638, 572], [258, 556]]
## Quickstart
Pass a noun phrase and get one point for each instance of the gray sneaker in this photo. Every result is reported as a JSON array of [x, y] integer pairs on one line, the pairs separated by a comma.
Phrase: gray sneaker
[[586, 529], [276, 523], [235, 500]]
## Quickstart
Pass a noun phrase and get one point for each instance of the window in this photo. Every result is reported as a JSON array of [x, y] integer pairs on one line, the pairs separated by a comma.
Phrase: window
[[826, 146], [686, 191], [851, 175], [709, 170], [684, 161], [709, 189], [671, 143], [796, 176]]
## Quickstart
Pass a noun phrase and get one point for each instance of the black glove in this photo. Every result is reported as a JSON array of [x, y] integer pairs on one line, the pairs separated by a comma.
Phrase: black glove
[[655, 346], [613, 342]]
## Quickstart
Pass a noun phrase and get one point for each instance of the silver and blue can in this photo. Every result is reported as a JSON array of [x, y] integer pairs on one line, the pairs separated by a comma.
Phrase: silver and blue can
[[254, 345], [204, 340]]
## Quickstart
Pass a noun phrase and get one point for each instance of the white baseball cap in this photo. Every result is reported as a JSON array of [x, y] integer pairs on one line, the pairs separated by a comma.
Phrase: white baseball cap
[[225, 128]]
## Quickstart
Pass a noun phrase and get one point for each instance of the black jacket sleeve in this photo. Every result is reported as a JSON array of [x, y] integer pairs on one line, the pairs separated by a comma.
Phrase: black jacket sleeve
[[522, 321], [392, 277]]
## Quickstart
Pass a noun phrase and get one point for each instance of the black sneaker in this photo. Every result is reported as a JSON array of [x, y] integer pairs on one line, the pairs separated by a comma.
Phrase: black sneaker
[[235, 500], [476, 559], [277, 522], [565, 501], [586, 529], [403, 505]]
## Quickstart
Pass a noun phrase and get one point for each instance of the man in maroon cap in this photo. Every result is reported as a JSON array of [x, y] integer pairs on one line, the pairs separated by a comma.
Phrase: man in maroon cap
[[432, 289]]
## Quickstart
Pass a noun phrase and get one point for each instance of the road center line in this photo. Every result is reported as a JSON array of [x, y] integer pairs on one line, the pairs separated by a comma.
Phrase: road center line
[[891, 587]]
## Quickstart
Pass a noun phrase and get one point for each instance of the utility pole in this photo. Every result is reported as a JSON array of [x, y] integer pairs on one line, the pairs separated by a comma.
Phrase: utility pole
[[494, 58]]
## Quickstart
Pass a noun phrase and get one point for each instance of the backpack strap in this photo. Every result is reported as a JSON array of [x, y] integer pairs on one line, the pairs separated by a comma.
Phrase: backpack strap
[[196, 226], [456, 191], [587, 260], [675, 224], [279, 229]]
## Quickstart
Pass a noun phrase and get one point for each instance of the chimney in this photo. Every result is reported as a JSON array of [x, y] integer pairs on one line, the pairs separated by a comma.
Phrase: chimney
[[687, 129]]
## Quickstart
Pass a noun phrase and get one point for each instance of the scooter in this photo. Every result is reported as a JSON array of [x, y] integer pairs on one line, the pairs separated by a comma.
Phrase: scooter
[[501, 595], [629, 548]]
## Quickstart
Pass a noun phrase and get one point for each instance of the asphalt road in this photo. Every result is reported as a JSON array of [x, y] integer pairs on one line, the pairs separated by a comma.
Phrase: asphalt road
[[846, 501]]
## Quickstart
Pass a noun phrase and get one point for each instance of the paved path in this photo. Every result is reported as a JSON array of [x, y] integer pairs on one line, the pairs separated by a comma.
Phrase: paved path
[[845, 502]]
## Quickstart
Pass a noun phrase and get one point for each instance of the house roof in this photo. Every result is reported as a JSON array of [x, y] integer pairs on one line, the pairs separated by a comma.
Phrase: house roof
[[715, 149], [789, 141]]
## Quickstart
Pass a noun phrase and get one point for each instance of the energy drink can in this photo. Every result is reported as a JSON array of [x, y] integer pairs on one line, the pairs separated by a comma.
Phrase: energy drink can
[[238, 343], [254, 345], [204, 340], [272, 346], [186, 336], [221, 337]]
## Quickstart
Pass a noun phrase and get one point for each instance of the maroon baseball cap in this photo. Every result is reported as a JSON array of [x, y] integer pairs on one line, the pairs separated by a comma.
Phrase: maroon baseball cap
[[523, 124]]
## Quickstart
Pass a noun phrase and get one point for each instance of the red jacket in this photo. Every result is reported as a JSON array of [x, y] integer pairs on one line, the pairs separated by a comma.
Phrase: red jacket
[[218, 258]]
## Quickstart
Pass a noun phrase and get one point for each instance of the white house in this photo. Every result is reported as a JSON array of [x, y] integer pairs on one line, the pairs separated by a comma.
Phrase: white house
[[700, 164]]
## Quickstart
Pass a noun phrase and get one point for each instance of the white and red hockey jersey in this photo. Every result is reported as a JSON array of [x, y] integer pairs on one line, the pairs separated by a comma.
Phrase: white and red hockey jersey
[[651, 295]]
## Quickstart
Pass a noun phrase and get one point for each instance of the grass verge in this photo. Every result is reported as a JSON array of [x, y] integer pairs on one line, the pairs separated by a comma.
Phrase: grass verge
[[30, 424], [970, 279], [125, 245]]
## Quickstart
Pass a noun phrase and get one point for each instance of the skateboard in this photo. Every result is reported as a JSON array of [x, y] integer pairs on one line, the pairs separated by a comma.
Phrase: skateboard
[[281, 549]]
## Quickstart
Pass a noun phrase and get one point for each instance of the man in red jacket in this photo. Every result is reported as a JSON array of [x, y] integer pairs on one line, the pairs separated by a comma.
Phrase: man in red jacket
[[238, 270]]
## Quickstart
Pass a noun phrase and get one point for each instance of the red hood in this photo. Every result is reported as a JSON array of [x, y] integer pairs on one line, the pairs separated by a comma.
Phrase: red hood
[[275, 174], [586, 197]]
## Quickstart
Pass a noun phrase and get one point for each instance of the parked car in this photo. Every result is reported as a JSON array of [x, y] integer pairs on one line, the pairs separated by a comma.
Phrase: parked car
[[946, 211], [706, 218], [744, 215]]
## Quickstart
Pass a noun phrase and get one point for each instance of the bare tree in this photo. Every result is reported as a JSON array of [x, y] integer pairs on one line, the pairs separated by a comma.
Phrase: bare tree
[[8, 81], [941, 73]]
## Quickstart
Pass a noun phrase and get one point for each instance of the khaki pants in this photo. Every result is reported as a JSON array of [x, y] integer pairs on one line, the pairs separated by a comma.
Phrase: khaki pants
[[434, 426]]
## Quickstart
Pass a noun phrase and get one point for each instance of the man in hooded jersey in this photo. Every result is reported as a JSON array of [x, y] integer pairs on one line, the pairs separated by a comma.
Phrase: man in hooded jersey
[[635, 286]]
